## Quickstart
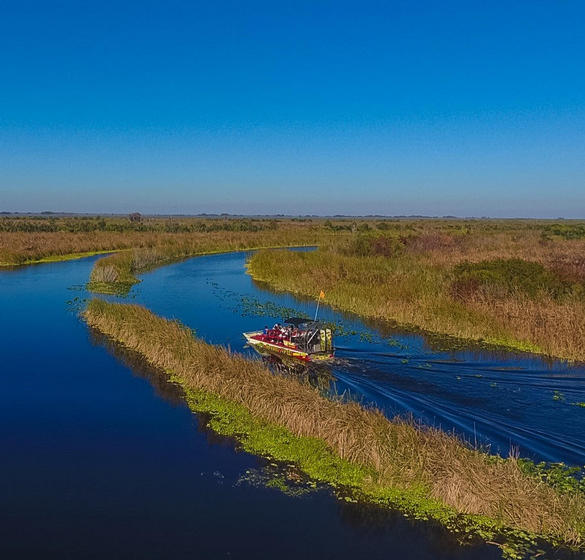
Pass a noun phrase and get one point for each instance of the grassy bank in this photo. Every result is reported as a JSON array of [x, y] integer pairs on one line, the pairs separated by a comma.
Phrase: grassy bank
[[516, 289], [116, 274], [58, 258], [141, 243], [425, 473]]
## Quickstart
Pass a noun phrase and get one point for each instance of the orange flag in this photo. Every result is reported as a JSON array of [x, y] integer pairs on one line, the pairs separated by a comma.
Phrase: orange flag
[[322, 294]]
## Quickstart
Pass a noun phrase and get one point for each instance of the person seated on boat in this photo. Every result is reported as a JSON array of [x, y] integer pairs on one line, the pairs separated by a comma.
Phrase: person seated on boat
[[274, 332], [265, 330], [281, 332]]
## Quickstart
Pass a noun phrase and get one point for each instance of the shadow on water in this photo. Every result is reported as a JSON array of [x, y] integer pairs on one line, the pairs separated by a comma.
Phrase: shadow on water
[[318, 375], [164, 389], [410, 538], [140, 367], [371, 521]]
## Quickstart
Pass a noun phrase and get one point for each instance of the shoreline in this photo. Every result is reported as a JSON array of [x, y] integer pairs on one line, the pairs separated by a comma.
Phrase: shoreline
[[453, 342], [457, 342], [61, 258], [130, 276]]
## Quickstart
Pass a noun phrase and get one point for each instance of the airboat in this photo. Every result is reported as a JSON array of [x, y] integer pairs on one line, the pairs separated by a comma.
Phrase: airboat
[[297, 337]]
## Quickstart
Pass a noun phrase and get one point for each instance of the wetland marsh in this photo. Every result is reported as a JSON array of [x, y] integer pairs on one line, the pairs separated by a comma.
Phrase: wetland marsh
[[100, 458], [496, 400]]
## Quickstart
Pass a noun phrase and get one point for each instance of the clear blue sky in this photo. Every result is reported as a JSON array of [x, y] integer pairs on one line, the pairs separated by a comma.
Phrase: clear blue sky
[[465, 108]]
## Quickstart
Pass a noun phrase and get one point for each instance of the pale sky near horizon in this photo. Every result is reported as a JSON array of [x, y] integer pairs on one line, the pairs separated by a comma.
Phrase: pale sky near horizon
[[435, 108]]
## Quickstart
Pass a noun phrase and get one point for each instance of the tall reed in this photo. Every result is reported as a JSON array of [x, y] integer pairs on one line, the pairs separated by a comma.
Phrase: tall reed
[[116, 273], [416, 289]]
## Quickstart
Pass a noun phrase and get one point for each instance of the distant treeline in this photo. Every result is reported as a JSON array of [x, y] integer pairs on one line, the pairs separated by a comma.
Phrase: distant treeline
[[169, 225]]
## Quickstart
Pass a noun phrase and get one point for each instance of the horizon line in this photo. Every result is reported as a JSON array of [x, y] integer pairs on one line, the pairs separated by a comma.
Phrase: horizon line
[[289, 216]]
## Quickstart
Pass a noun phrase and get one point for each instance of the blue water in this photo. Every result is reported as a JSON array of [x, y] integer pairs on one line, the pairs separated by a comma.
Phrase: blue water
[[101, 458]]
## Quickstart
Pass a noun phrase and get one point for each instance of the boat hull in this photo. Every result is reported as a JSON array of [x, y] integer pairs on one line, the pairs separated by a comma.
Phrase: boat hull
[[254, 339]]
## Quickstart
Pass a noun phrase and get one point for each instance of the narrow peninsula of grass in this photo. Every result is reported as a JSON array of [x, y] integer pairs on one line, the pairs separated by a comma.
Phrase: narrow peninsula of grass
[[117, 273], [422, 472]]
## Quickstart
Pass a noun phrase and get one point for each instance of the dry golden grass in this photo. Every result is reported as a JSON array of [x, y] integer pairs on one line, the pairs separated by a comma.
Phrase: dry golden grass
[[556, 328], [414, 285], [403, 455], [413, 288], [18, 247], [481, 246], [117, 272]]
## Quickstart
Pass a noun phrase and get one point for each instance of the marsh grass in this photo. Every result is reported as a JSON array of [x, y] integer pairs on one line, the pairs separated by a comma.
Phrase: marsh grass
[[493, 288], [426, 473], [508, 276], [116, 274]]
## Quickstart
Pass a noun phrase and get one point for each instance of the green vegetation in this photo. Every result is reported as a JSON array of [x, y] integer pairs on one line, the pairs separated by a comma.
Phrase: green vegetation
[[114, 274], [566, 231], [423, 472], [84, 224], [565, 479], [504, 277]]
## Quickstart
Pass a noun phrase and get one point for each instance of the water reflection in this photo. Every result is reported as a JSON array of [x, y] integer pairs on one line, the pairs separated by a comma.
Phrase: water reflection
[[410, 538], [318, 375], [140, 367]]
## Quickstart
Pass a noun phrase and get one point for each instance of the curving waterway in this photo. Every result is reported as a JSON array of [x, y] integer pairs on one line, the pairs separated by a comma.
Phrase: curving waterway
[[101, 458]]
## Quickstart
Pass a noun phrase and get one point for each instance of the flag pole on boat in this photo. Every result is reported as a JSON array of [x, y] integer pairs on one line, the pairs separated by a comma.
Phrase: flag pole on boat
[[321, 295]]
